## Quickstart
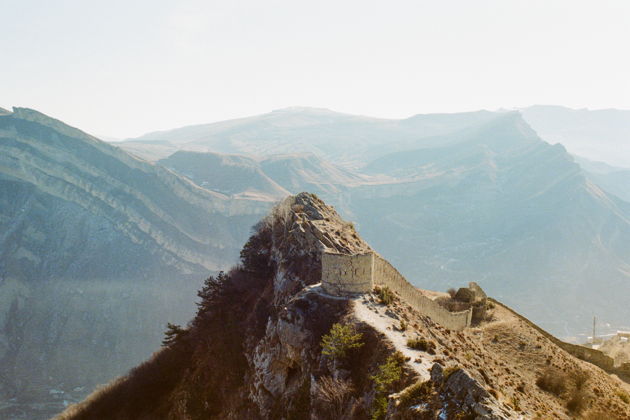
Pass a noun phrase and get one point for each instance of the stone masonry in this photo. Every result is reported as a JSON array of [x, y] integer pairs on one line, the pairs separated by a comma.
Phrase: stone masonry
[[347, 274]]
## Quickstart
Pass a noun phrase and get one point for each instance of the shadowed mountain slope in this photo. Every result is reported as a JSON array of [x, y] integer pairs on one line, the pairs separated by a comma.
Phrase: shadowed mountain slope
[[97, 247]]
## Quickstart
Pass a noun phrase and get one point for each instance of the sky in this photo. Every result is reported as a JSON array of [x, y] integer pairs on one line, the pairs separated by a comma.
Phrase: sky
[[123, 68]]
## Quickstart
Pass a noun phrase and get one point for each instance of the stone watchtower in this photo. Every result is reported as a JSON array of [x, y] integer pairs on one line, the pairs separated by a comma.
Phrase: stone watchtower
[[344, 274], [350, 274]]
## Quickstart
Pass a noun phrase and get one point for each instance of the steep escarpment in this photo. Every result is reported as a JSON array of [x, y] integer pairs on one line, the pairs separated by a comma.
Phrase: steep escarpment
[[98, 249], [268, 343]]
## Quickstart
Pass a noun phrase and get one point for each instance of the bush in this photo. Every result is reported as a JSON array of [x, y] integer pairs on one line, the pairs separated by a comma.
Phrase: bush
[[624, 397], [578, 401], [174, 334], [451, 292], [388, 375], [553, 381], [418, 391], [452, 305], [421, 344], [579, 378], [385, 295], [333, 394], [340, 340], [596, 415], [449, 371]]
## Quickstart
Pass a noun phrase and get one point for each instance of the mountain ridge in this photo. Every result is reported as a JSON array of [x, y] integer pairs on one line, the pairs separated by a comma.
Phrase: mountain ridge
[[90, 239]]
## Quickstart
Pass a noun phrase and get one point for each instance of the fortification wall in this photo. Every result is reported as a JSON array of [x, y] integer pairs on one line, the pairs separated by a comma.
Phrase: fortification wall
[[384, 274], [593, 356], [344, 274]]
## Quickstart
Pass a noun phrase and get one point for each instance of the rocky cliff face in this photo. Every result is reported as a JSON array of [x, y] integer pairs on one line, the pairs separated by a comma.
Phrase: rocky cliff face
[[98, 250], [254, 349]]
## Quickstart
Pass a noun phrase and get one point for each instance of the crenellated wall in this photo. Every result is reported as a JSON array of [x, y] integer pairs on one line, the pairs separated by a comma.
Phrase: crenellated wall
[[344, 274]]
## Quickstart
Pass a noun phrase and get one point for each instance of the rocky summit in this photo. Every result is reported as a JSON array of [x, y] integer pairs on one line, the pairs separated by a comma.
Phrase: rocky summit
[[270, 341]]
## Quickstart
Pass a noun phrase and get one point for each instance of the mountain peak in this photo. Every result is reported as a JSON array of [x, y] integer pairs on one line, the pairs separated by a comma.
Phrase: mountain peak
[[28, 114], [317, 226]]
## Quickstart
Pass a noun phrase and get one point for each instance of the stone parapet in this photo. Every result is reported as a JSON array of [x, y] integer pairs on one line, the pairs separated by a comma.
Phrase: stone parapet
[[346, 274]]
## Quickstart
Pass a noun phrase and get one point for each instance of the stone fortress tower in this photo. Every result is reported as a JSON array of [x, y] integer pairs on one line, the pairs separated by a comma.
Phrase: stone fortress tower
[[348, 274]]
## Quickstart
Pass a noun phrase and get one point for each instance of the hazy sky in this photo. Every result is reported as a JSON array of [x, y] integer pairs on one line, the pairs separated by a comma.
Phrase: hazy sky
[[122, 68]]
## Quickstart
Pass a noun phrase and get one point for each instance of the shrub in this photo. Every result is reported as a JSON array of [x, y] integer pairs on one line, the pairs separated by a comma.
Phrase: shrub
[[418, 391], [333, 394], [421, 344], [624, 397], [388, 374], [515, 403], [579, 378], [452, 305], [385, 295], [340, 340], [451, 292], [449, 371], [174, 333], [596, 415], [578, 401], [553, 381]]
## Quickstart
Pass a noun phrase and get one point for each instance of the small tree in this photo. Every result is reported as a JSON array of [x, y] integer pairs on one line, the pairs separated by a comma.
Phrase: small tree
[[340, 340], [388, 374], [173, 333], [211, 292]]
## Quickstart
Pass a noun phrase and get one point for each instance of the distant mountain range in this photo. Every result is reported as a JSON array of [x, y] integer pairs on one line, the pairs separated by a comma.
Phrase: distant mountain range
[[340, 138], [600, 135]]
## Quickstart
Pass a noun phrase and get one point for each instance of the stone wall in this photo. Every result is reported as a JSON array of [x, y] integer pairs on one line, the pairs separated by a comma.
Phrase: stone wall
[[385, 275], [593, 356], [344, 274]]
